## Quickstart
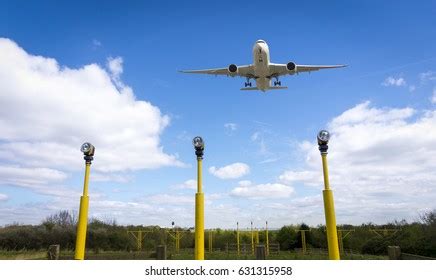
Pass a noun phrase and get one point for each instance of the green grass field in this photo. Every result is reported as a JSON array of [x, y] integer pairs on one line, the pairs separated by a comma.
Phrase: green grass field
[[182, 255]]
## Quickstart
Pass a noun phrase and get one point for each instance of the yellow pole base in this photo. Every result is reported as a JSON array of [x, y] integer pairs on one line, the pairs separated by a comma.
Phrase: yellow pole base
[[199, 226], [82, 224], [330, 219]]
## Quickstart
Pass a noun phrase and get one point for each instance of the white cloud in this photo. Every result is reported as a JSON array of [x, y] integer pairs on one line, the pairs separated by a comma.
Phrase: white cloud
[[3, 197], [188, 184], [48, 111], [29, 177], [96, 43], [427, 76], [43, 181], [232, 171], [231, 126], [244, 183], [381, 163], [171, 199], [433, 97], [110, 177], [308, 177], [258, 138], [363, 114], [391, 81], [115, 66], [412, 88], [262, 191]]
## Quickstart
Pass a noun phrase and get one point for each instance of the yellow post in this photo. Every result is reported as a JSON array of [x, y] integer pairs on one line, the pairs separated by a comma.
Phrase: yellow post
[[257, 236], [267, 240], [138, 235], [329, 209], [341, 242], [139, 240], [237, 237], [303, 241], [199, 214], [342, 234], [177, 241], [210, 241], [79, 253], [179, 237], [252, 239]]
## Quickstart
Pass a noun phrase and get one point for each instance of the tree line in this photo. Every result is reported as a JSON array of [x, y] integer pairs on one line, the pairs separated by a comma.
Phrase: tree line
[[415, 238]]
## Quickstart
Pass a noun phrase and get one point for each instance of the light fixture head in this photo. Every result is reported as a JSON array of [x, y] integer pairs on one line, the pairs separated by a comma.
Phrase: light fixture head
[[87, 149], [323, 137], [198, 143]]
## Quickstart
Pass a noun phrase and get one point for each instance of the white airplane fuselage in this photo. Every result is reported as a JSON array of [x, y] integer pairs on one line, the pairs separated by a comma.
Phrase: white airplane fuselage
[[261, 61]]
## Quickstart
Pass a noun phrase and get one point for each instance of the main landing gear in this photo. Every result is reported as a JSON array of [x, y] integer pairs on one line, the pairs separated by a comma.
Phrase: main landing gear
[[277, 82], [248, 83]]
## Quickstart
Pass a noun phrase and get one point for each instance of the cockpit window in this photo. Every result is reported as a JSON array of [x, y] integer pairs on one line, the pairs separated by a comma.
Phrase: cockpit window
[[260, 41]]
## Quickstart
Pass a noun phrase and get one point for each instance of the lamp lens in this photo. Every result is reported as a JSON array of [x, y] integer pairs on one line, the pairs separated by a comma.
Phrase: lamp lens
[[198, 142], [85, 147], [324, 136]]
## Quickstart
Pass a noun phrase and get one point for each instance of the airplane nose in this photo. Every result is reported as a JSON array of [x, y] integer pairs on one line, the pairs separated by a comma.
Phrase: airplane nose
[[260, 47]]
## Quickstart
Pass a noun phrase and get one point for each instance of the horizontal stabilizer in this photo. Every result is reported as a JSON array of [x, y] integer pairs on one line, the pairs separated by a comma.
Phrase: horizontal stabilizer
[[277, 87], [250, 88]]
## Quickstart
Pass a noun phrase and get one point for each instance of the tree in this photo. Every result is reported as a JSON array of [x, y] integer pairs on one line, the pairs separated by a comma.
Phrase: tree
[[287, 238]]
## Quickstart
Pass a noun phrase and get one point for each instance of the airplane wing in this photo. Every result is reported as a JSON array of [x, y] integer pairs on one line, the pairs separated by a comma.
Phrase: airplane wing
[[281, 69], [242, 71]]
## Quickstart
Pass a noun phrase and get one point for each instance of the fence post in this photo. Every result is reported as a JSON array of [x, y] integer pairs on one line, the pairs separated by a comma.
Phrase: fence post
[[394, 252], [260, 252], [161, 252], [53, 252]]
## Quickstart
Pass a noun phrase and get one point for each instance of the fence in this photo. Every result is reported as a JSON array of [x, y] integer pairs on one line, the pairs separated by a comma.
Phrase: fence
[[395, 253]]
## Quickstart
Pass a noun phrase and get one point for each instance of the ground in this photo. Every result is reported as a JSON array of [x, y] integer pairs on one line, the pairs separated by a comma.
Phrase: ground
[[183, 255]]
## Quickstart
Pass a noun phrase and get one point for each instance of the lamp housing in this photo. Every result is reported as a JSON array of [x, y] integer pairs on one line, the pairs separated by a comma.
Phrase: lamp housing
[[87, 149], [199, 146], [198, 143], [323, 137]]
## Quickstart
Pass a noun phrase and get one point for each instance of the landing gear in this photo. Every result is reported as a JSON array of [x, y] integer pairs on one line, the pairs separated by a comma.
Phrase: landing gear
[[248, 83], [277, 82]]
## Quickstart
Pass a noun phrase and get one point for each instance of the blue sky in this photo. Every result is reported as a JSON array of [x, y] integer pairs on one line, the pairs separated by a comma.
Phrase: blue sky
[[123, 56]]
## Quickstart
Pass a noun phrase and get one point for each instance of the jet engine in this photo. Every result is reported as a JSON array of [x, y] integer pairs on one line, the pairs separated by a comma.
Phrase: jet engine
[[233, 69], [291, 66]]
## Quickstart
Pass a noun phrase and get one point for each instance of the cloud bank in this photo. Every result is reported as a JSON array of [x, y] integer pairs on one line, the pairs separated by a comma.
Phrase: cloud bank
[[231, 171], [49, 110]]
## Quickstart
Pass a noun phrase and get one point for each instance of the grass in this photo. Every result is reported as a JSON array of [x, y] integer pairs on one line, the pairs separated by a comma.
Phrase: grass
[[23, 255], [182, 255]]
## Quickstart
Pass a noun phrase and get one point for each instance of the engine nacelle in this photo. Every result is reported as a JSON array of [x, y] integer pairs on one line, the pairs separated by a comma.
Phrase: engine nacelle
[[233, 69], [291, 66]]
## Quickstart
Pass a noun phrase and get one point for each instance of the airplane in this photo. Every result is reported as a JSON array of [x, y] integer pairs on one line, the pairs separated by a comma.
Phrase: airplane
[[262, 70]]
